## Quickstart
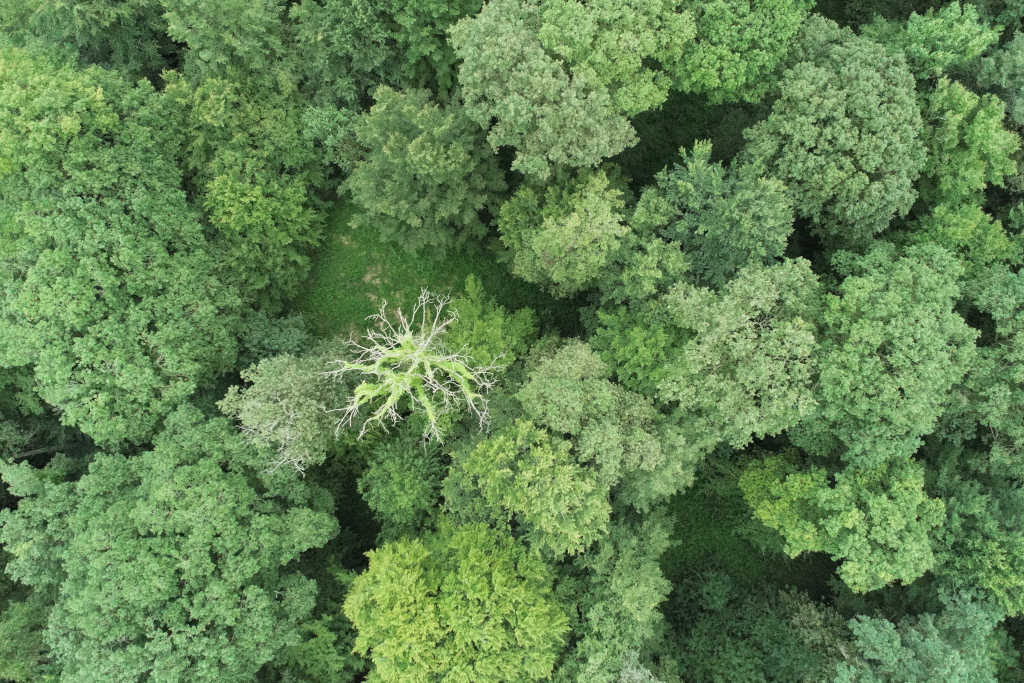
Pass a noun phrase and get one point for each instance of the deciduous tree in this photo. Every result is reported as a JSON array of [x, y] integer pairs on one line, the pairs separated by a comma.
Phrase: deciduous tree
[[466, 603]]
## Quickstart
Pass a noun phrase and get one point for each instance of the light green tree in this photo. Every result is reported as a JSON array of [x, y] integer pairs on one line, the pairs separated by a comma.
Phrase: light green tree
[[463, 604], [737, 46], [878, 521], [285, 406], [936, 42], [561, 236]]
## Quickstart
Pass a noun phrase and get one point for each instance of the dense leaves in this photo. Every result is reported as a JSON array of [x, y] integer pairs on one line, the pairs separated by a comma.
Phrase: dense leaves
[[173, 564], [426, 173], [844, 135], [714, 374], [467, 603], [110, 291], [737, 45]]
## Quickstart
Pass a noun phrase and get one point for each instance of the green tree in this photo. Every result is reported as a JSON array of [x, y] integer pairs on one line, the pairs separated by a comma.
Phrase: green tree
[[892, 350], [1002, 71], [342, 49], [230, 39], [24, 656], [425, 174], [563, 236], [554, 475], [747, 365], [619, 43], [255, 176], [878, 521], [764, 635], [936, 43], [738, 44], [723, 219], [464, 604], [980, 547], [616, 589], [110, 291], [129, 35], [556, 79], [968, 147], [967, 231], [286, 407], [487, 332], [402, 483], [525, 474], [615, 431], [844, 135], [954, 645], [174, 564], [975, 456]]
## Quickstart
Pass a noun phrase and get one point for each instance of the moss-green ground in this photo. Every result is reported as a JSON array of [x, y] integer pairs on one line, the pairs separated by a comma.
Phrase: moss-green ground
[[354, 272]]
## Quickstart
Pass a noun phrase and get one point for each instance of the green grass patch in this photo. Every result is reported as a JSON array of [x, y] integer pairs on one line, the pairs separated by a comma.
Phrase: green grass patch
[[354, 272], [714, 528]]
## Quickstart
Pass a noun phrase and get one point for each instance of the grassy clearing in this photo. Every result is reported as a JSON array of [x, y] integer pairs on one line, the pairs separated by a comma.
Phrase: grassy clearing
[[354, 272], [714, 525]]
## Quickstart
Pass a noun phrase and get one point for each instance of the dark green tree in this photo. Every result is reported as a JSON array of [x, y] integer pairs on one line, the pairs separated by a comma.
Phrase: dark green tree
[[722, 218], [425, 174], [127, 35], [844, 135], [175, 564], [255, 176], [954, 645], [110, 291], [231, 39]]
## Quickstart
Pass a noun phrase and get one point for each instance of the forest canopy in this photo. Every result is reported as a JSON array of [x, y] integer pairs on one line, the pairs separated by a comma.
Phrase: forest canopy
[[586, 341]]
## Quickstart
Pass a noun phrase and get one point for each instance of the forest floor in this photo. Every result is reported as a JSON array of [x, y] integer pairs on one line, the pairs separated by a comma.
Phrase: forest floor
[[354, 273]]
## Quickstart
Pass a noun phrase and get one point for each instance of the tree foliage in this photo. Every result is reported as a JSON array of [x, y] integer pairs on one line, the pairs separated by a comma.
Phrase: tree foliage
[[255, 175], [558, 78], [286, 406], [110, 292], [425, 175], [563, 236], [936, 43], [844, 135], [892, 349], [171, 564], [466, 603], [747, 365], [722, 218], [878, 521], [737, 46]]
